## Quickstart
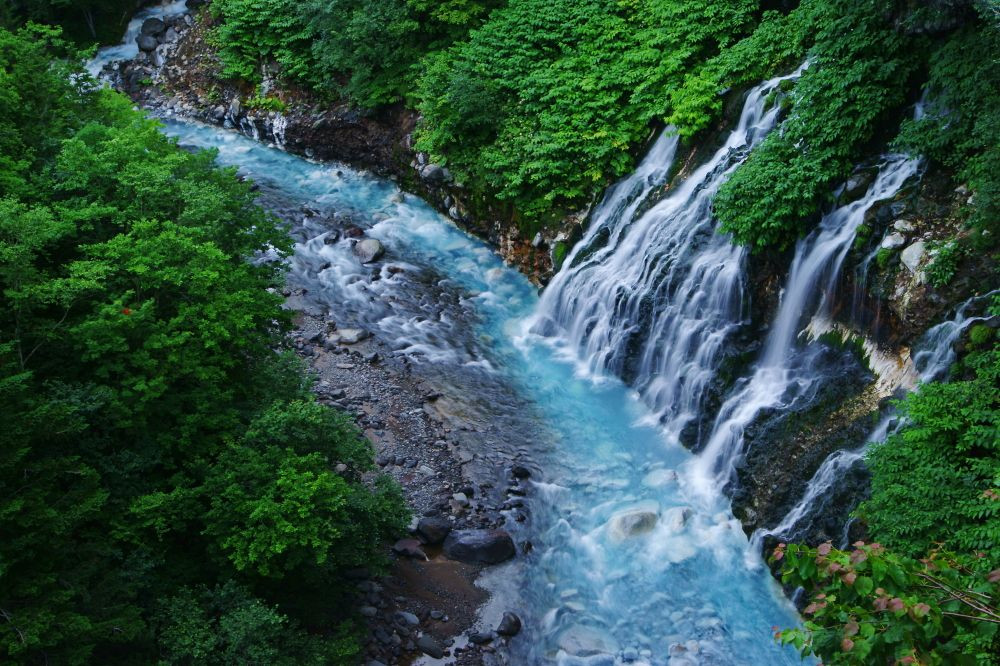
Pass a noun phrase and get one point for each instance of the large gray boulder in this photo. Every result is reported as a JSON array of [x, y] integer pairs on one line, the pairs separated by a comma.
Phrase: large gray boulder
[[433, 530], [634, 521], [479, 546], [913, 255], [153, 27], [368, 250], [146, 42]]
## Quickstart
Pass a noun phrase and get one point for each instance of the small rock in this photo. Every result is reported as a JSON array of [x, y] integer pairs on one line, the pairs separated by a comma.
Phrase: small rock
[[479, 546], [481, 637], [350, 336], [153, 27], [409, 548], [521, 472], [461, 499], [437, 615], [146, 42], [903, 226], [429, 646], [369, 250], [510, 625], [435, 174], [857, 185], [406, 619], [913, 255], [634, 522], [892, 241], [368, 611], [433, 531]]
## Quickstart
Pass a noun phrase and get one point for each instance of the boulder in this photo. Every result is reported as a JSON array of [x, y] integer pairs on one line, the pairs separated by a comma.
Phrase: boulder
[[892, 241], [368, 250], [857, 185], [146, 42], [635, 521], [583, 641], [510, 625], [904, 226], [433, 531], [406, 619], [913, 255], [659, 478], [479, 546], [345, 336], [429, 646], [409, 548], [434, 174], [153, 27]]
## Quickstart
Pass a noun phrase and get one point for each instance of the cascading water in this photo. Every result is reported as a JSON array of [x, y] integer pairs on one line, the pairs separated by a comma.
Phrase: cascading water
[[127, 48], [625, 567], [784, 373], [935, 354], [663, 283]]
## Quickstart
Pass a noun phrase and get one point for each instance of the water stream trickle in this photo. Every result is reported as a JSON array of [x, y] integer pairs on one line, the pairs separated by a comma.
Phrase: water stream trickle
[[935, 353], [786, 372]]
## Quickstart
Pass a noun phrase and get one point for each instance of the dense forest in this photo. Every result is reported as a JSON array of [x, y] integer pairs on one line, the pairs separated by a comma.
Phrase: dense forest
[[167, 482], [168, 489]]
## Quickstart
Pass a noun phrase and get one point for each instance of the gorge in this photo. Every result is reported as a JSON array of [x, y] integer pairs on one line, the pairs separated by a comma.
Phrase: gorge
[[645, 402]]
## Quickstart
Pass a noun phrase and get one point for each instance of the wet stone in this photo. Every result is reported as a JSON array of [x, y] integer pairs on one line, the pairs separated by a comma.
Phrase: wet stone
[[430, 646], [510, 625]]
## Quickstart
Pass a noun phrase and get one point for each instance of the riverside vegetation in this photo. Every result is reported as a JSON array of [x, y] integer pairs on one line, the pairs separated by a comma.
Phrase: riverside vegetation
[[168, 490], [537, 103]]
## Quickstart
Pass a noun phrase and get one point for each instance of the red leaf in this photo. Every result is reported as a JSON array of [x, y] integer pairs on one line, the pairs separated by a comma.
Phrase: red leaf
[[896, 604], [126, 311], [824, 548], [849, 578], [851, 628], [846, 644], [994, 576]]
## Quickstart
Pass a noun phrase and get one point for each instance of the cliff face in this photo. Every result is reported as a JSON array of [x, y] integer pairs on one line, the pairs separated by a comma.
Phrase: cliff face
[[882, 304]]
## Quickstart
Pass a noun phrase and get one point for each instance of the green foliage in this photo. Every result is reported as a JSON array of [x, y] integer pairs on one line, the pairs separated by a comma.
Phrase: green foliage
[[944, 262], [962, 121], [228, 625], [156, 446], [266, 103], [546, 103], [870, 606], [858, 74], [253, 33], [938, 480], [980, 334]]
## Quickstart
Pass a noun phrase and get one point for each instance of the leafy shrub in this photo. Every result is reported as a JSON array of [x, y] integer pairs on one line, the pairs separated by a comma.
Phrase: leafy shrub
[[936, 481], [962, 118], [859, 71], [546, 103], [945, 261], [250, 33], [870, 606]]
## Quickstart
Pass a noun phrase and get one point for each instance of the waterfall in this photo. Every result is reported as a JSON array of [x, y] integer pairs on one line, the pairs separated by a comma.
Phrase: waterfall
[[654, 295], [936, 353], [784, 373]]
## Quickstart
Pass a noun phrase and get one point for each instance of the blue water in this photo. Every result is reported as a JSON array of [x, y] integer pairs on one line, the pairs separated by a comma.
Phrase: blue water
[[685, 588]]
